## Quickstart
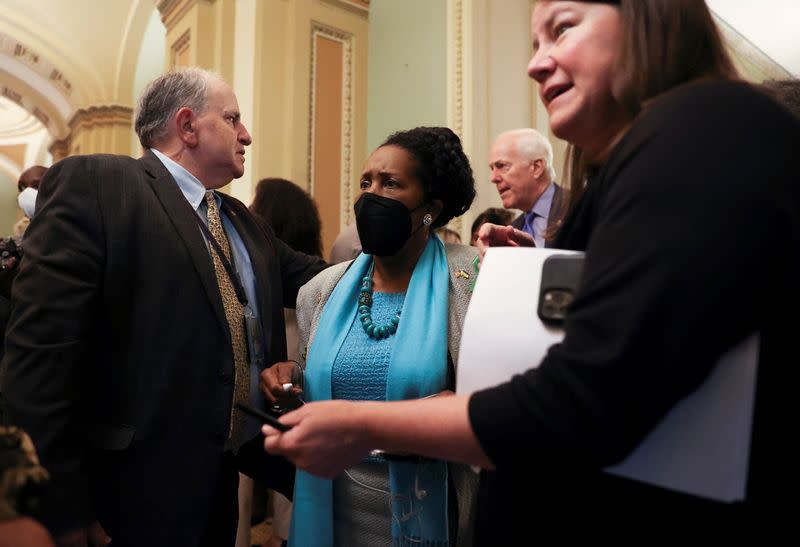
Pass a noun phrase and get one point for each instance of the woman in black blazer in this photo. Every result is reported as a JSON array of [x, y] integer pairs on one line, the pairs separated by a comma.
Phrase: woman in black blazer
[[684, 197]]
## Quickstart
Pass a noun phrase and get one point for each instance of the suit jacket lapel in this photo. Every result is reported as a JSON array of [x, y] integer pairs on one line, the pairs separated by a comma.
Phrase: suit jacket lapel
[[185, 221]]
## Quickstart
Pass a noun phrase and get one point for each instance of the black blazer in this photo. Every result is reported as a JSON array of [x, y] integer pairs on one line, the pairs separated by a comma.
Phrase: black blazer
[[119, 362], [684, 259], [555, 212]]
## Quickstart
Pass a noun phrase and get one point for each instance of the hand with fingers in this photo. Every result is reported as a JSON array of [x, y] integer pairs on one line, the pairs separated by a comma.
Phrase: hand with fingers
[[282, 384], [325, 437], [494, 235]]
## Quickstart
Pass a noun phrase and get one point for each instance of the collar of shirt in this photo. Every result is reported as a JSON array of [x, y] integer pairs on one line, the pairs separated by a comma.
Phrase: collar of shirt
[[191, 187], [542, 206]]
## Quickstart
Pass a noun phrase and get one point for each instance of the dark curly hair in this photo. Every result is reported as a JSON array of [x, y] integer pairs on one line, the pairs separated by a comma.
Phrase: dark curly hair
[[442, 167], [291, 212]]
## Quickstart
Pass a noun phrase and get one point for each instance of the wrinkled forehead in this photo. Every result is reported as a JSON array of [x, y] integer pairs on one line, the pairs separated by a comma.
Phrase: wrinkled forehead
[[391, 158]]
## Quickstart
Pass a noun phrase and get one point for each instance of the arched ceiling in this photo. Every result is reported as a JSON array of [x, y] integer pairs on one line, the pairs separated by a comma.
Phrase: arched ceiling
[[57, 56], [22, 140], [16, 121], [60, 55]]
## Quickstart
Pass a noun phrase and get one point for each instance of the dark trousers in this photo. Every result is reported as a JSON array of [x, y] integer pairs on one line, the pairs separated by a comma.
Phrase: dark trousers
[[224, 517]]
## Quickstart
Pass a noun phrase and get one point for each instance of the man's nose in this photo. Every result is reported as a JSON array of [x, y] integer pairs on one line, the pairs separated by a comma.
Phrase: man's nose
[[244, 136]]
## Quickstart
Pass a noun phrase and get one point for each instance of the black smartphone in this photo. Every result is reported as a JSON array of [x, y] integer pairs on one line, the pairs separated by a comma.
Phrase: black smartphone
[[263, 416], [561, 275]]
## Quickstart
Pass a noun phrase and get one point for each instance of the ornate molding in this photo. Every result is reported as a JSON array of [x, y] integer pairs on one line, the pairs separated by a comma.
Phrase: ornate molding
[[177, 48], [456, 68], [20, 123], [85, 118], [37, 110], [60, 149], [361, 7], [173, 11], [13, 48], [455, 95], [345, 183]]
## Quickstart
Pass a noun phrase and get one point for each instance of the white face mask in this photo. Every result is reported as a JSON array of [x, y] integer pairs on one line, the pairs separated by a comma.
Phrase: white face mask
[[27, 201]]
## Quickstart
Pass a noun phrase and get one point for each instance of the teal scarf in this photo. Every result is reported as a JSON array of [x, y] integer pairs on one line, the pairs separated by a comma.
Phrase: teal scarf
[[417, 368]]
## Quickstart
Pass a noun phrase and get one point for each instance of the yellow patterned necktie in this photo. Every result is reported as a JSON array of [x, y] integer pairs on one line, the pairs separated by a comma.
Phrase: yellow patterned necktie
[[234, 312]]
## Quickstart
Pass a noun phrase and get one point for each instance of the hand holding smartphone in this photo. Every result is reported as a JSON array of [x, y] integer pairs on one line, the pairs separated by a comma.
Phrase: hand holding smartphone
[[263, 416]]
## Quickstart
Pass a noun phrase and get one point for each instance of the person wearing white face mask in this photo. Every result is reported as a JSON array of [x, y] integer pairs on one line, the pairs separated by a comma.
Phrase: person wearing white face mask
[[27, 201], [28, 185]]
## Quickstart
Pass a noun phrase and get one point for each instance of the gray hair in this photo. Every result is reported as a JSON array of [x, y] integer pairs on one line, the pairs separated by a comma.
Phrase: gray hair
[[533, 145], [167, 94]]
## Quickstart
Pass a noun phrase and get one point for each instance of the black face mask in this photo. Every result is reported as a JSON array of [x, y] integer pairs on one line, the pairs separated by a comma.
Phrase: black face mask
[[384, 224]]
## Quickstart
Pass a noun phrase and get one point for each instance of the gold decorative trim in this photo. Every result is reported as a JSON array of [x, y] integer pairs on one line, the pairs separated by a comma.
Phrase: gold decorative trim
[[41, 116], [60, 149], [12, 95], [173, 11], [33, 107], [179, 47], [345, 184], [361, 7], [87, 119], [101, 115], [18, 51], [456, 79], [456, 94]]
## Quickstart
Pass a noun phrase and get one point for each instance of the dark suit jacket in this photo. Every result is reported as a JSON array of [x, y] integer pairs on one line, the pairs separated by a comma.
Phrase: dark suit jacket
[[555, 211], [119, 362]]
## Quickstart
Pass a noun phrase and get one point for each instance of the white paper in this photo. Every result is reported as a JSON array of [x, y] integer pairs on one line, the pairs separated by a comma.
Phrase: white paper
[[701, 447], [503, 334]]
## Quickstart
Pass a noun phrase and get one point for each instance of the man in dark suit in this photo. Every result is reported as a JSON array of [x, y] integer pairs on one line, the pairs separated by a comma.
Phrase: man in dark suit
[[522, 170], [146, 305]]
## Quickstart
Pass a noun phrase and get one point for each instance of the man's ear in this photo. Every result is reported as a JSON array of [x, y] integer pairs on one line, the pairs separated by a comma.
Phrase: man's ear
[[185, 125], [538, 168]]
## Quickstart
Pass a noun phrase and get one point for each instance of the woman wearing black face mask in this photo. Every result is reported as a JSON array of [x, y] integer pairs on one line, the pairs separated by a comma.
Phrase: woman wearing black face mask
[[387, 326]]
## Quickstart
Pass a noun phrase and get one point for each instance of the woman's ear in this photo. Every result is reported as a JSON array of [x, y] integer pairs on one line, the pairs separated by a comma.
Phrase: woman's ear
[[435, 208]]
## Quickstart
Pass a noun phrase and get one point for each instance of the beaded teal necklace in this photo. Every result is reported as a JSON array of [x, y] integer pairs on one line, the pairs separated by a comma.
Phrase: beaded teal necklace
[[374, 331]]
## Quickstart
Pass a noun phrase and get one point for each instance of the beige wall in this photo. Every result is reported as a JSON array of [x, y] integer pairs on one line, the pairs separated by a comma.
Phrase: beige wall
[[309, 99], [9, 210], [299, 71], [315, 101], [407, 67], [488, 88]]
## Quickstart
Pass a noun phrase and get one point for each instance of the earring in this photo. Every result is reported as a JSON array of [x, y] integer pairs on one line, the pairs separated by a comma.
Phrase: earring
[[427, 219]]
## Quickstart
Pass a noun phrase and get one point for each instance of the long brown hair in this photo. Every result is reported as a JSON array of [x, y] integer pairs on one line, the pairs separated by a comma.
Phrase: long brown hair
[[291, 212], [665, 43]]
